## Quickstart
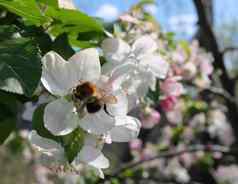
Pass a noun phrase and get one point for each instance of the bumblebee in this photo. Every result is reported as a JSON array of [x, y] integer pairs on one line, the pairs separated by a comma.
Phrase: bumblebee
[[91, 97]]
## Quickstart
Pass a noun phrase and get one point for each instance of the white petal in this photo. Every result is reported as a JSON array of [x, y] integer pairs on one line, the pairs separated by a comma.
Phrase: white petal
[[56, 77], [59, 76], [93, 157], [45, 145], [87, 65], [94, 141], [121, 107], [67, 4], [97, 123], [126, 129], [60, 118], [115, 50], [143, 46], [134, 80], [99, 173], [156, 64], [109, 66], [123, 75]]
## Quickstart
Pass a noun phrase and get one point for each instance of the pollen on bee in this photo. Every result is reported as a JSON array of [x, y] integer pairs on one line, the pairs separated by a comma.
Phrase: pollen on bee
[[84, 90]]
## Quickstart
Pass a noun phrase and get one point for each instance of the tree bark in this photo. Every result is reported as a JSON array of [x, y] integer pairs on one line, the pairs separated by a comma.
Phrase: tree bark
[[208, 40]]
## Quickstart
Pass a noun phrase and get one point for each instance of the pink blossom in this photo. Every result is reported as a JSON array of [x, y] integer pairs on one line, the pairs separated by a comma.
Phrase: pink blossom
[[168, 103], [189, 70], [175, 116], [135, 145], [176, 70], [148, 152], [171, 87], [149, 118], [206, 67], [179, 55], [227, 174], [128, 18]]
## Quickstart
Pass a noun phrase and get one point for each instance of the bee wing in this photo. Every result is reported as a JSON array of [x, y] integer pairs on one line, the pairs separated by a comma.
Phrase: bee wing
[[106, 98], [110, 99]]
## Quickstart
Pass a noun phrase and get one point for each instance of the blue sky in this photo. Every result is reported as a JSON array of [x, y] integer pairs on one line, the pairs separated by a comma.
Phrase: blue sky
[[173, 15]]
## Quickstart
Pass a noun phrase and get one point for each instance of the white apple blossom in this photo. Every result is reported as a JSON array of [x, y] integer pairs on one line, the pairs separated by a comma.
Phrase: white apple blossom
[[141, 53], [135, 67], [65, 114], [89, 154], [67, 4]]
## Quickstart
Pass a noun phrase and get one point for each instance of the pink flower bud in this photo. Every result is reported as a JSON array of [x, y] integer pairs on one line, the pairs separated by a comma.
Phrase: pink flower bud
[[206, 67], [149, 118], [170, 87], [128, 18], [135, 145], [147, 153], [175, 70], [168, 103]]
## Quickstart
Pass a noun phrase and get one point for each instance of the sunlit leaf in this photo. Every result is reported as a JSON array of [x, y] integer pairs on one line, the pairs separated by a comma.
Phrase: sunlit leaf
[[20, 66], [28, 9]]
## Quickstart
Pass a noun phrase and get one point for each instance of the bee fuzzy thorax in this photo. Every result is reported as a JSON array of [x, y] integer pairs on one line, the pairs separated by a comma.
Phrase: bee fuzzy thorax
[[88, 96], [84, 90]]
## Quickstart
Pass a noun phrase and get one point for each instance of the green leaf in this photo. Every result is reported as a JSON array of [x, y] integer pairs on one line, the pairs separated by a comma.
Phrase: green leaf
[[154, 95], [53, 3], [185, 45], [73, 40], [40, 36], [20, 66], [38, 124], [169, 36], [195, 106], [28, 9], [16, 144], [8, 113], [62, 47], [72, 21], [176, 134], [6, 32], [86, 39], [206, 162], [6, 127], [73, 143]]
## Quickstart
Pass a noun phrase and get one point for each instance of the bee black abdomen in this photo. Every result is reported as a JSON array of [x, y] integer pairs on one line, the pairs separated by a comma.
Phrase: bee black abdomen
[[93, 107]]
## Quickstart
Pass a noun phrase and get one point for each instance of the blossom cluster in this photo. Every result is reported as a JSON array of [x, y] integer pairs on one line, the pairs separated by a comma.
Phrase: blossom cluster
[[95, 100], [111, 102], [193, 64]]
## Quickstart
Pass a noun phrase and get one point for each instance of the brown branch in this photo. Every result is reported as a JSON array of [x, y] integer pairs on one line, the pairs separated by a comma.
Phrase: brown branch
[[227, 83], [211, 39], [173, 153], [229, 49], [222, 93]]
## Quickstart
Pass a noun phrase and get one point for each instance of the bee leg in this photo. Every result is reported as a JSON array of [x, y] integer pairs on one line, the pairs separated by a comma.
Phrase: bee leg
[[105, 109]]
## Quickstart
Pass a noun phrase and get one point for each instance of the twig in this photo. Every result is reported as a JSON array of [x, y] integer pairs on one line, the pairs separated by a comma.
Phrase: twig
[[172, 153], [229, 49], [221, 92], [169, 154]]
